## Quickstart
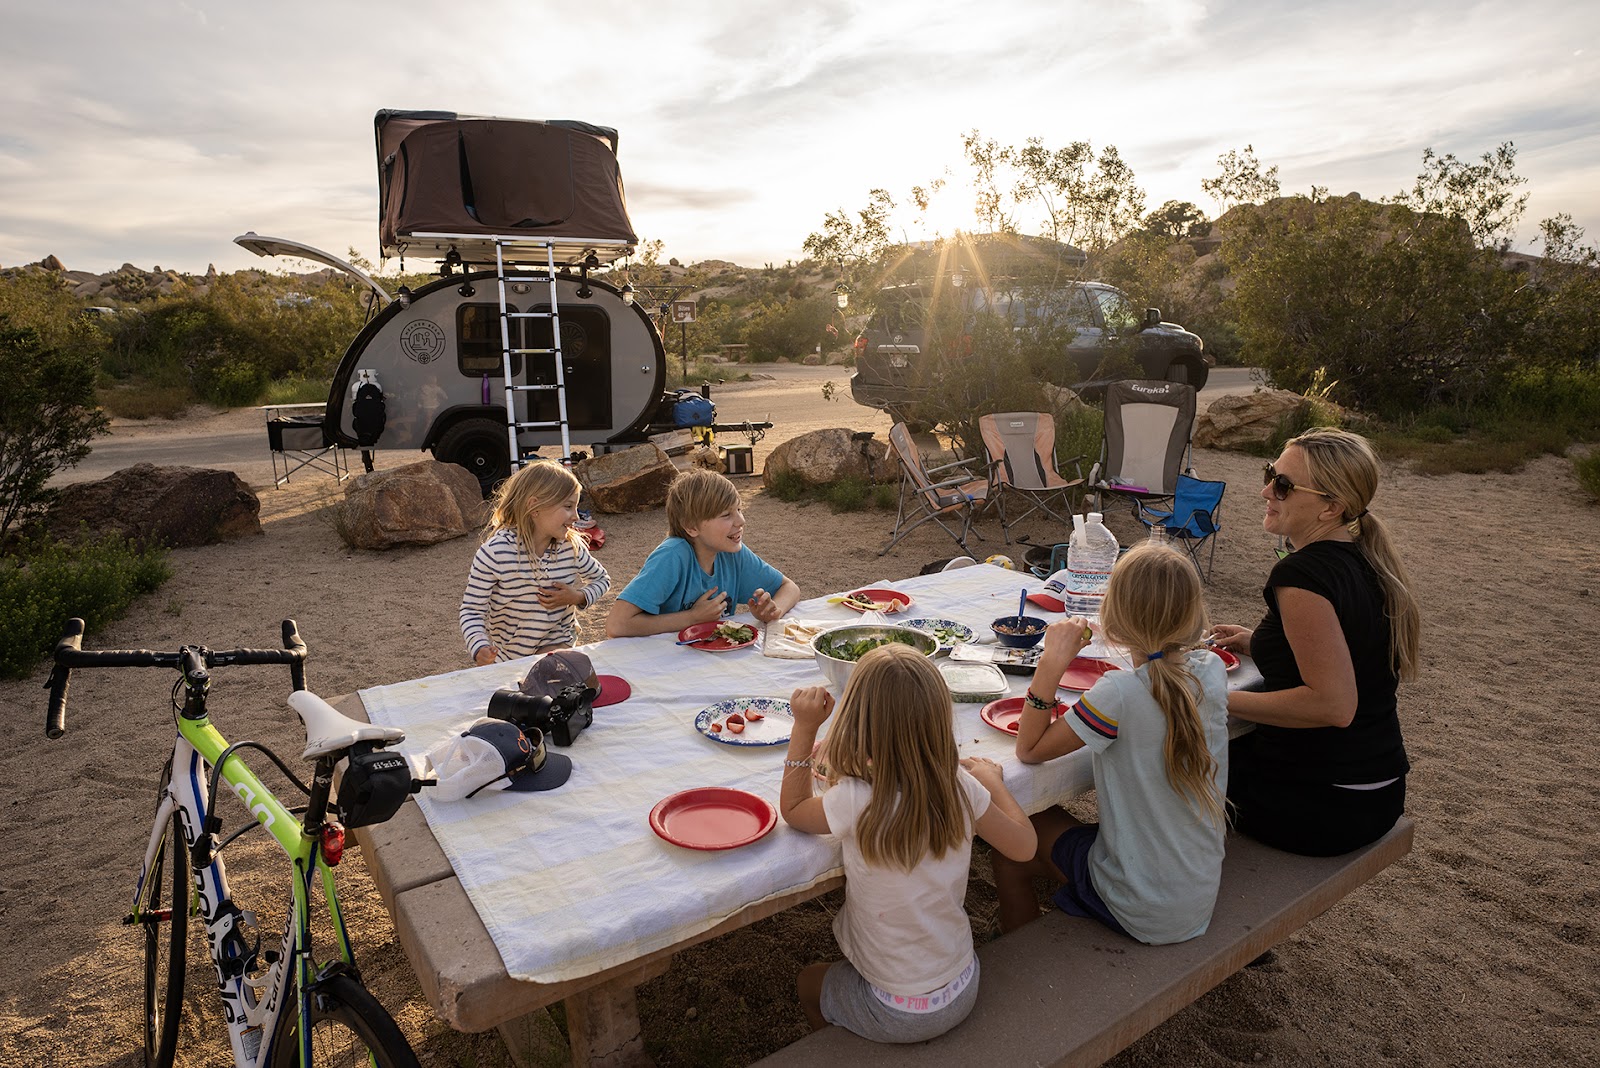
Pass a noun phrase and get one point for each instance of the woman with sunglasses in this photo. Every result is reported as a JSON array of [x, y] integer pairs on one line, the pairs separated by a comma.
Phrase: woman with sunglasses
[[1324, 771]]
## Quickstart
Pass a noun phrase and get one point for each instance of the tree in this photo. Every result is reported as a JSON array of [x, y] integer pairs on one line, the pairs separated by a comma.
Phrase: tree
[[1402, 310], [855, 246], [1242, 180], [1085, 200], [1176, 220], [1482, 195], [47, 418]]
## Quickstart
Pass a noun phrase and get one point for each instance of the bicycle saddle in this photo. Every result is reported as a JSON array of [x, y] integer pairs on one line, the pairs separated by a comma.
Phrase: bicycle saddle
[[328, 730]]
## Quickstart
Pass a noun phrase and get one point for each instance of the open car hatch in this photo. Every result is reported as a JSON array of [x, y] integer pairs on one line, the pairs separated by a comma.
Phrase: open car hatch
[[279, 246]]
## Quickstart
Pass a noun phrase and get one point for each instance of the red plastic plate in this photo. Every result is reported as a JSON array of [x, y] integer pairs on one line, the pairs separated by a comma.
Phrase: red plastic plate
[[713, 817], [1229, 660], [1083, 673], [879, 594], [715, 645], [613, 689], [1004, 714]]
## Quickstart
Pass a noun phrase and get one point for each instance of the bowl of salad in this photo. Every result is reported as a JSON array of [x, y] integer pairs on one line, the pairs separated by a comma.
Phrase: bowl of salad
[[838, 649], [1019, 632]]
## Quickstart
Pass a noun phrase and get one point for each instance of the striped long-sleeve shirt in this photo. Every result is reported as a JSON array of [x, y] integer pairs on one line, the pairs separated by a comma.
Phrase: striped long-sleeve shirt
[[501, 603]]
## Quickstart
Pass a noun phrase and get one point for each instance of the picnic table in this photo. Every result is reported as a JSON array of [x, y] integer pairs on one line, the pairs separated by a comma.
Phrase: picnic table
[[513, 901]]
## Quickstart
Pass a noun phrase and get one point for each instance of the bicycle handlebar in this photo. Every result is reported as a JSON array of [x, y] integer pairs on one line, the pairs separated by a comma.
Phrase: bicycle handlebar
[[69, 654]]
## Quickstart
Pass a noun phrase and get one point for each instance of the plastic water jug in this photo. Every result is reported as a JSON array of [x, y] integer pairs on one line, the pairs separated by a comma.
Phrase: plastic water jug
[[1091, 555]]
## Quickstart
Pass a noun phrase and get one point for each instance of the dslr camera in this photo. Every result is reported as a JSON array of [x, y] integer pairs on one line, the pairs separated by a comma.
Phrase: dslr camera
[[562, 717]]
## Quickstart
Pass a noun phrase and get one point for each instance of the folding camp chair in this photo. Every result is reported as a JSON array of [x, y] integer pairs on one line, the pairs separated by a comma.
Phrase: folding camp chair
[[1192, 521], [1022, 463], [301, 440], [922, 499], [1149, 426]]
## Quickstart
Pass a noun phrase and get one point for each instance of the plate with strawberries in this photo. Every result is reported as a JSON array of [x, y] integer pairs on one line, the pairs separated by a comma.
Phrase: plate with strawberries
[[747, 721]]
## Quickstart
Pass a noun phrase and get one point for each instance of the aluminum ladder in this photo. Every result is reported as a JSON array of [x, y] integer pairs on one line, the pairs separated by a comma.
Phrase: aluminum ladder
[[530, 273]]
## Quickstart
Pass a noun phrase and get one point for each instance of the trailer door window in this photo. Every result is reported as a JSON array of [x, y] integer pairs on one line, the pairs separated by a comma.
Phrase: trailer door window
[[478, 343], [586, 360]]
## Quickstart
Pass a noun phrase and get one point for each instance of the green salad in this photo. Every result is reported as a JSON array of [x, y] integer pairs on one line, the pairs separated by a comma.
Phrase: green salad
[[737, 633], [854, 649]]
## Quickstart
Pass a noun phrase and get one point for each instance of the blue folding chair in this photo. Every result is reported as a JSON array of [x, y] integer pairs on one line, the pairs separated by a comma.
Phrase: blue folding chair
[[1192, 521]]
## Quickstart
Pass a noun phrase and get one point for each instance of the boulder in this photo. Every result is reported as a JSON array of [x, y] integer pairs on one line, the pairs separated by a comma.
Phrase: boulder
[[1243, 420], [632, 480], [419, 504], [174, 506], [823, 457]]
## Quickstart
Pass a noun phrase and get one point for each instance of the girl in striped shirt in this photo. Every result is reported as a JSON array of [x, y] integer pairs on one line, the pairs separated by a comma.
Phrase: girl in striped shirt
[[533, 573]]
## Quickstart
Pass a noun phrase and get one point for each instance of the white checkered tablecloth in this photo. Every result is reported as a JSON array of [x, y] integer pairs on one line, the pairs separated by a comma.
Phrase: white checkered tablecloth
[[572, 881]]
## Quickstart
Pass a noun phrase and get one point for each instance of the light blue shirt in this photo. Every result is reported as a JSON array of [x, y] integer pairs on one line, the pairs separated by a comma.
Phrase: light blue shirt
[[671, 579], [1156, 863]]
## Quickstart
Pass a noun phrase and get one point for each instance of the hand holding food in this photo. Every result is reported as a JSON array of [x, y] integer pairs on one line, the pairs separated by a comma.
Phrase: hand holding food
[[1232, 638], [1065, 638], [811, 705], [763, 607]]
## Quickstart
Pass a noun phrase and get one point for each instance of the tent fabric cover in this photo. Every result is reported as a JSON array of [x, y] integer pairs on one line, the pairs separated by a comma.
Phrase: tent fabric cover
[[443, 173]]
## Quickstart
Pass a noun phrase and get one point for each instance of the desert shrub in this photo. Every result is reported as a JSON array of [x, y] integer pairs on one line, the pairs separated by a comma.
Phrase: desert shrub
[[847, 494], [145, 399], [45, 583], [296, 390], [885, 496], [47, 417], [1587, 470], [787, 486]]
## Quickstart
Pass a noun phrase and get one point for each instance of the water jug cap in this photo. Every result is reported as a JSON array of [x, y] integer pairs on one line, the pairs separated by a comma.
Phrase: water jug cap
[[1096, 517]]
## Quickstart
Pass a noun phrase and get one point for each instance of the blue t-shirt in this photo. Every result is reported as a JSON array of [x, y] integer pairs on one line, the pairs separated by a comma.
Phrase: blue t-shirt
[[671, 579]]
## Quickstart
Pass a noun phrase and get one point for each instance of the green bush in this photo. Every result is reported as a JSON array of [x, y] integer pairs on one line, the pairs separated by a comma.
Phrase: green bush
[[847, 494], [46, 583], [1587, 469], [787, 486]]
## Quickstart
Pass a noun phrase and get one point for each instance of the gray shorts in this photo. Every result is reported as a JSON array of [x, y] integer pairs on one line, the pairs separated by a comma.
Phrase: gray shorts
[[847, 1000]]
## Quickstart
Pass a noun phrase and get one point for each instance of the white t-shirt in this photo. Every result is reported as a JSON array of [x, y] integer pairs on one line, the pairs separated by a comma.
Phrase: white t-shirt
[[905, 932], [1156, 863]]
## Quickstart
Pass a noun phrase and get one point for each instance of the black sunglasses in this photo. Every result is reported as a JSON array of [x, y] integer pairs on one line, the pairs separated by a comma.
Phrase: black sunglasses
[[1282, 486]]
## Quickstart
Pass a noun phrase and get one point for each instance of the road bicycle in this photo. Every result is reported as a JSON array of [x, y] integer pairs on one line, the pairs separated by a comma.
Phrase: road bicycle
[[282, 1007]]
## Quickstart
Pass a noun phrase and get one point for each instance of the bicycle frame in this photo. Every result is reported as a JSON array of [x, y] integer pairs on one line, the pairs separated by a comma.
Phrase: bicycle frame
[[252, 1017]]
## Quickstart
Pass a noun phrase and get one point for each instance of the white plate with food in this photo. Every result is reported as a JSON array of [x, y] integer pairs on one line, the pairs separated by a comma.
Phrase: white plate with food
[[747, 721]]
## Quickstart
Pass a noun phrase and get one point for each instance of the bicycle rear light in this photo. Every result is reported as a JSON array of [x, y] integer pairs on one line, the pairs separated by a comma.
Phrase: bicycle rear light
[[332, 843]]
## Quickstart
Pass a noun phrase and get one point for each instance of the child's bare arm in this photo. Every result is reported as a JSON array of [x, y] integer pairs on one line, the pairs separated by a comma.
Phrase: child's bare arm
[[628, 620], [1038, 739], [802, 811], [1003, 824]]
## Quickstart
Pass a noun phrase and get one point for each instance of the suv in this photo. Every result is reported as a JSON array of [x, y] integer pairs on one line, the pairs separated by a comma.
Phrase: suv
[[889, 352]]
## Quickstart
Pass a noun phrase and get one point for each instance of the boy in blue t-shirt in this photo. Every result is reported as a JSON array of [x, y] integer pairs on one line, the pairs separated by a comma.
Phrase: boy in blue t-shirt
[[703, 569]]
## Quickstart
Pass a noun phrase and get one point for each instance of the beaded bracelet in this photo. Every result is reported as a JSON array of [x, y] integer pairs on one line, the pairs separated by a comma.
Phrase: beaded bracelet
[[797, 763], [1040, 703]]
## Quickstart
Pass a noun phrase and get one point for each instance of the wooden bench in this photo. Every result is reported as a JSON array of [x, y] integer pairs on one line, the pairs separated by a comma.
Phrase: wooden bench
[[1067, 991]]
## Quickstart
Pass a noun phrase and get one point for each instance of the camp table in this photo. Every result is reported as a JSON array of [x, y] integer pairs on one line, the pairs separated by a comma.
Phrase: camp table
[[512, 901]]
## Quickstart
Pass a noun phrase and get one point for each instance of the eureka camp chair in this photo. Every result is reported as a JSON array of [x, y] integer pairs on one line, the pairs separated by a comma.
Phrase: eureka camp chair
[[1147, 442], [1192, 521], [1022, 464], [922, 499]]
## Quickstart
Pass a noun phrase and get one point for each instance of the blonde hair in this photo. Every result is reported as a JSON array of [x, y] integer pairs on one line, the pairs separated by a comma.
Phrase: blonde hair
[[1154, 605], [537, 485], [1344, 466], [696, 496], [893, 731]]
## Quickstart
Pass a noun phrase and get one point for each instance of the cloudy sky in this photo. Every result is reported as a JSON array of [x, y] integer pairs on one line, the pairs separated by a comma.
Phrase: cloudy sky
[[154, 132]]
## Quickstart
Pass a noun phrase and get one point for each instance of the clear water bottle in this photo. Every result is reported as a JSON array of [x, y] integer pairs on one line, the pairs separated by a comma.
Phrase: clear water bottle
[[1090, 559]]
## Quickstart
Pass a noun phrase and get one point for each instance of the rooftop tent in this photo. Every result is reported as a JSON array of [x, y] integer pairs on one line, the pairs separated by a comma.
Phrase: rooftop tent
[[462, 176]]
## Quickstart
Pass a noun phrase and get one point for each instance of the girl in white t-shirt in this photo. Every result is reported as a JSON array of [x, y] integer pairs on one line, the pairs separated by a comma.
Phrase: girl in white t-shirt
[[905, 809], [1159, 733]]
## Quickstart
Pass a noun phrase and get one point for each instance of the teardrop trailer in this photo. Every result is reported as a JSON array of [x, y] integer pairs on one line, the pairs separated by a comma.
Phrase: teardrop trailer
[[514, 348]]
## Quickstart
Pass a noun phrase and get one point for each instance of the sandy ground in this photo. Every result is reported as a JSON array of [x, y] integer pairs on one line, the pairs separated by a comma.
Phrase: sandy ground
[[1478, 949]]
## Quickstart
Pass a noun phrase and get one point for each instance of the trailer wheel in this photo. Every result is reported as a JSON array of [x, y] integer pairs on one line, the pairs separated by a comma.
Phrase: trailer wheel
[[481, 447]]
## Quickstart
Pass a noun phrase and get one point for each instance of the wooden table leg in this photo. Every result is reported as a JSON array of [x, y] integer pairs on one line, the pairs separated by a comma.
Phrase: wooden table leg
[[602, 1026]]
